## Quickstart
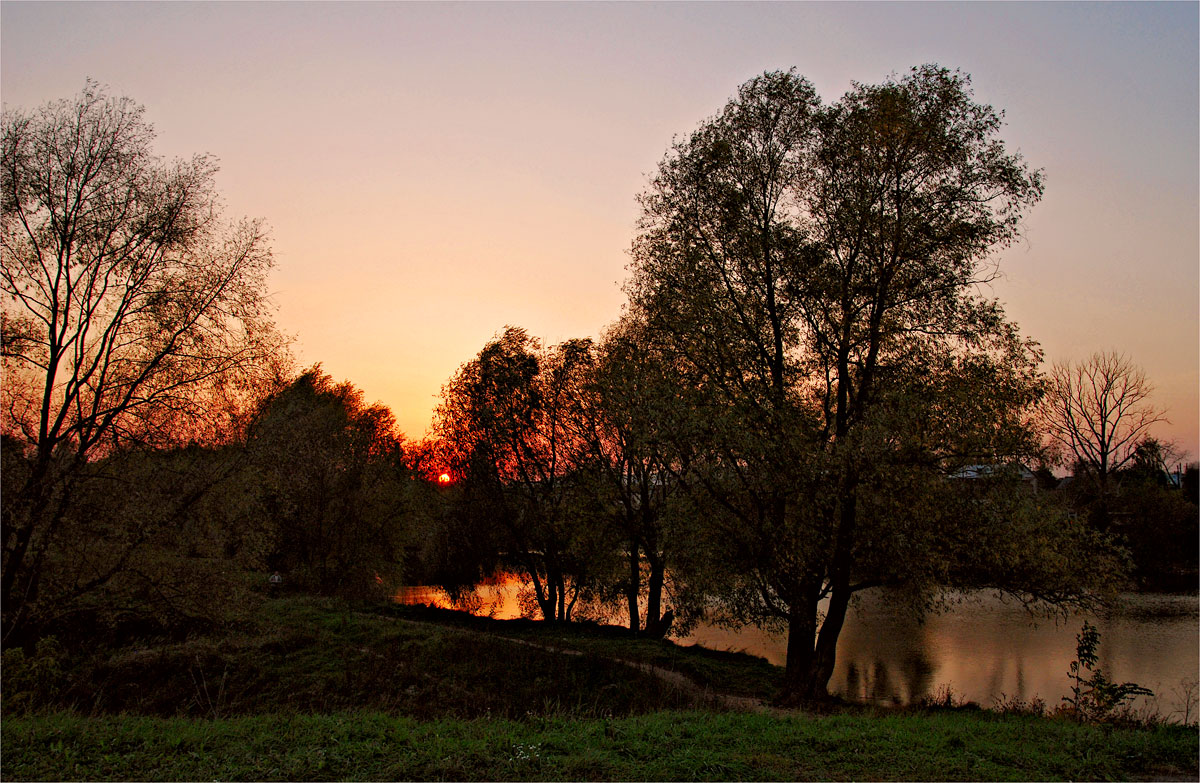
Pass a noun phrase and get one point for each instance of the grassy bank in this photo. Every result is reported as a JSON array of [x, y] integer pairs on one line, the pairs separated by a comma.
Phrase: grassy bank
[[315, 690], [321, 656], [660, 746]]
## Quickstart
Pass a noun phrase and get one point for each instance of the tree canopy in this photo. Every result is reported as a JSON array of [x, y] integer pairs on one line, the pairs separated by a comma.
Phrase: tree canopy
[[813, 271]]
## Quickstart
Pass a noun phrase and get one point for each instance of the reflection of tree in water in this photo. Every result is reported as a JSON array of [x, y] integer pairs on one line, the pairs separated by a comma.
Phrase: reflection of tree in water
[[918, 675], [875, 683], [882, 690], [852, 687], [875, 637]]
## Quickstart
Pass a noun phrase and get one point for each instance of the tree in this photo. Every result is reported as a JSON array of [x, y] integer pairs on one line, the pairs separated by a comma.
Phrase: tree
[[331, 485], [133, 316], [506, 431], [626, 415], [1098, 412], [813, 271], [144, 547]]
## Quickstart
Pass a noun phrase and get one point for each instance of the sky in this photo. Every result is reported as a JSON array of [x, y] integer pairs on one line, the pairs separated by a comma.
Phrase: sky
[[433, 172]]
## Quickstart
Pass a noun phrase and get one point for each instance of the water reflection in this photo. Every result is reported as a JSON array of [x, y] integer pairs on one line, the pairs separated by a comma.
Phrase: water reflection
[[983, 649], [988, 650], [498, 597]]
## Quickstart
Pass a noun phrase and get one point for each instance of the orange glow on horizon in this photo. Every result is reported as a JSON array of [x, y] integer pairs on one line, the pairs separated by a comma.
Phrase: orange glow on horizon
[[444, 478]]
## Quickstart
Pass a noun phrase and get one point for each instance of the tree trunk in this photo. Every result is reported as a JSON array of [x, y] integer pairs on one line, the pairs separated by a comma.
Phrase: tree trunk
[[825, 655], [802, 631], [42, 509], [543, 593], [634, 588], [654, 599]]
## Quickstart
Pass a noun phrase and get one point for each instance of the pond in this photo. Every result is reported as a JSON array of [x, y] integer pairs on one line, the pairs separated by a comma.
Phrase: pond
[[982, 648]]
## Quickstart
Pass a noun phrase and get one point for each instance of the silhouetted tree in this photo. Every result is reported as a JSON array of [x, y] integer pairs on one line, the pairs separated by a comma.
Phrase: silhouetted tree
[[1097, 413], [813, 272], [132, 315], [332, 486], [506, 429], [1191, 482], [631, 423]]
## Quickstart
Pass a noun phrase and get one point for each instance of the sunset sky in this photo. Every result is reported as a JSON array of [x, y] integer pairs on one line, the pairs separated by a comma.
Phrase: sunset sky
[[432, 172]]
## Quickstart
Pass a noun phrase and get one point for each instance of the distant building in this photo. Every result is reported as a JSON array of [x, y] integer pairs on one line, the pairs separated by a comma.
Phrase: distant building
[[977, 472]]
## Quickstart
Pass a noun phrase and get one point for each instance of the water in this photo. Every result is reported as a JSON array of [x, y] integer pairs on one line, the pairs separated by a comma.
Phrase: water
[[987, 650], [983, 649]]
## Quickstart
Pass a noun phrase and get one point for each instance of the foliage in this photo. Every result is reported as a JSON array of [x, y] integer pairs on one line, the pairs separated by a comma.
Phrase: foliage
[[31, 681], [1093, 696], [628, 417], [332, 487], [811, 274], [1161, 530], [505, 427], [1146, 512], [133, 317]]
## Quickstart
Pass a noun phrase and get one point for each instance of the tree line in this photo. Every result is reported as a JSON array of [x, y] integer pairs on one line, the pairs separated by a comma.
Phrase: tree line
[[785, 414]]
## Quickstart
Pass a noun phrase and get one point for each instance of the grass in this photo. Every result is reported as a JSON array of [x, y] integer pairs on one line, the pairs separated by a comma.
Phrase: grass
[[318, 656], [320, 690], [661, 746], [735, 673]]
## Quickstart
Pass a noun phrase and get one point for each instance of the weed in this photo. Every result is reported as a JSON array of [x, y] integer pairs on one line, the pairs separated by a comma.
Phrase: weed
[[526, 752], [1187, 693], [1095, 698], [212, 704], [1014, 705], [32, 681], [946, 699]]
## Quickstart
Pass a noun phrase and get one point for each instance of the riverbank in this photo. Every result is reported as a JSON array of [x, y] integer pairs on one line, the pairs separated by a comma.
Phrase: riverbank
[[318, 690]]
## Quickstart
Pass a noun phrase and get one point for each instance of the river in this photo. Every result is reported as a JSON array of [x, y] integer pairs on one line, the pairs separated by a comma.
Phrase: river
[[982, 649]]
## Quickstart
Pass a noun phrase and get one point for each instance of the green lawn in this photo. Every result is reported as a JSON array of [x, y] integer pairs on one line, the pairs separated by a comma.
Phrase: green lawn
[[660, 746]]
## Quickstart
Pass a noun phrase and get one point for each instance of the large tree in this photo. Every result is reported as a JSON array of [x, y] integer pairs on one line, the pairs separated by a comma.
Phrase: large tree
[[815, 270], [133, 315], [629, 422]]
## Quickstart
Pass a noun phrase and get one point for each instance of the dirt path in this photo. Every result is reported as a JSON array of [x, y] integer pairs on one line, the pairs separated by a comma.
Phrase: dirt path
[[679, 680]]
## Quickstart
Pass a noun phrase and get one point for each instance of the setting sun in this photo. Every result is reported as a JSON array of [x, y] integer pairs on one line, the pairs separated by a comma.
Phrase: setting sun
[[444, 478]]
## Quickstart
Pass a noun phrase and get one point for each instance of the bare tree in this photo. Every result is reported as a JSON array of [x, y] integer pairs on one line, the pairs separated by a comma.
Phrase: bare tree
[[129, 307], [1097, 412]]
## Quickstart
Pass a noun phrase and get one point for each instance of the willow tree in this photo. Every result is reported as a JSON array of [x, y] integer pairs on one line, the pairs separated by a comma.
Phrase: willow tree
[[630, 423], [815, 270], [133, 314]]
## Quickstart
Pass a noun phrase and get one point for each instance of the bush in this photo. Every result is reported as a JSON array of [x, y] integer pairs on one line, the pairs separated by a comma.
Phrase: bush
[[31, 682]]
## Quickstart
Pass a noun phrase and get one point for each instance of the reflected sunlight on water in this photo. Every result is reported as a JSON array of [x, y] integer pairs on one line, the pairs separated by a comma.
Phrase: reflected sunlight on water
[[497, 597], [986, 649]]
